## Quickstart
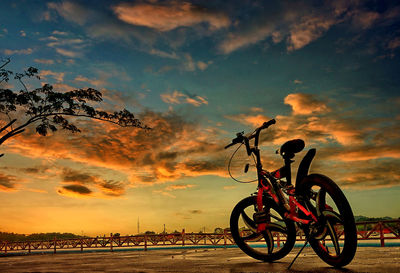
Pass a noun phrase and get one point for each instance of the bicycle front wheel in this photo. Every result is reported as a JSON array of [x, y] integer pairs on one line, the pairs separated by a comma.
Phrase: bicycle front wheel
[[272, 244], [334, 236]]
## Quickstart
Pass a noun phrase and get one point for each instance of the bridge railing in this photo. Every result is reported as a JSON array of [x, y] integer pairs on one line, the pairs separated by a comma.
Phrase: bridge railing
[[372, 230]]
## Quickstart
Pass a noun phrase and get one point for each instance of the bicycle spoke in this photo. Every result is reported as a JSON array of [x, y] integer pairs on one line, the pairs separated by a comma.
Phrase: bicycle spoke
[[332, 216], [275, 217], [320, 201], [276, 227], [269, 239], [334, 238], [249, 222]]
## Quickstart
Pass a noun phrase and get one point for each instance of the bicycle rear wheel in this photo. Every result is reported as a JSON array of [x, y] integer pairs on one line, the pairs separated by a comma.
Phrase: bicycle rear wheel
[[272, 244], [334, 237]]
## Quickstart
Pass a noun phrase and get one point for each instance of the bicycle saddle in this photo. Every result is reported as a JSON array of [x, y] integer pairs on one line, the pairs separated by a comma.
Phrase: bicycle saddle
[[289, 148]]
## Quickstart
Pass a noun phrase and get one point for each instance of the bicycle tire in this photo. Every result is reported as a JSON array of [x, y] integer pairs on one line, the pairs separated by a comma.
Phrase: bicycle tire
[[284, 226], [335, 220]]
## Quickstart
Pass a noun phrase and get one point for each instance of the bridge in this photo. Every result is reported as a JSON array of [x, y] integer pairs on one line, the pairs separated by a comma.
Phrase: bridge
[[378, 231]]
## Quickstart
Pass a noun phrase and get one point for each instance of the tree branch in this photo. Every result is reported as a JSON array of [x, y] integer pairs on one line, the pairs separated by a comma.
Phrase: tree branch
[[86, 116], [10, 134], [8, 125], [5, 63], [23, 84]]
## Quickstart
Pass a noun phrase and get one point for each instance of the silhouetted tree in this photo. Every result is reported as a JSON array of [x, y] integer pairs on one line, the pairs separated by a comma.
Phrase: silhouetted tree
[[50, 109]]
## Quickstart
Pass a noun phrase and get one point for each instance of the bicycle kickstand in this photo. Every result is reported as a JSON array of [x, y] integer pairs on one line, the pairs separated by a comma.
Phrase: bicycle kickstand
[[298, 253]]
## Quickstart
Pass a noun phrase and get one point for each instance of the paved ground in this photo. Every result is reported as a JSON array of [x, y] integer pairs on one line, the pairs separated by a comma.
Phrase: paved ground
[[368, 259]]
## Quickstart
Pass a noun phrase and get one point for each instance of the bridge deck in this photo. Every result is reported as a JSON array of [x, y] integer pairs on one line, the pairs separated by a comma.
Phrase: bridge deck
[[368, 259]]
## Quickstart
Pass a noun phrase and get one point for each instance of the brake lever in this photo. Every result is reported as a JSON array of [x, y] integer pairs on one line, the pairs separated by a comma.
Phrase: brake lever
[[238, 139]]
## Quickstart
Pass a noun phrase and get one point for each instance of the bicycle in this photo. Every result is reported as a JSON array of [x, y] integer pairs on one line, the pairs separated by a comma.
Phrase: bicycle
[[263, 225]]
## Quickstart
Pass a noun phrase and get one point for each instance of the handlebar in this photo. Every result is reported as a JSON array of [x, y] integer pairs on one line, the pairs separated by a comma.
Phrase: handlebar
[[240, 138]]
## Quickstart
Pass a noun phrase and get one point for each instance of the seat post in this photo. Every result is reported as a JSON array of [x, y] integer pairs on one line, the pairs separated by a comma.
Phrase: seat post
[[288, 170]]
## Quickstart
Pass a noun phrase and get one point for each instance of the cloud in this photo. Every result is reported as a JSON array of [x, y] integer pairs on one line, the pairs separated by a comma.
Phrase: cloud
[[342, 131], [364, 19], [174, 187], [177, 97], [179, 187], [301, 23], [62, 33], [44, 61], [202, 65], [37, 190], [26, 51], [67, 45], [76, 190], [245, 38], [176, 148], [308, 30], [112, 188], [305, 104], [163, 54], [364, 153], [81, 183], [253, 119], [312, 120], [94, 82], [190, 65], [297, 82], [169, 15], [195, 211], [3, 32], [58, 76], [68, 53], [371, 174], [74, 176], [172, 150], [73, 11], [7, 182], [394, 43], [62, 87]]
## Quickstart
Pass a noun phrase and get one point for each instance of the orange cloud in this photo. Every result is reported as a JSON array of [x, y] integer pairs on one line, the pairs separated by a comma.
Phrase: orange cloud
[[44, 61], [235, 41], [369, 174], [173, 149], [311, 120], [177, 97], [81, 182], [93, 82], [7, 182], [58, 76], [305, 104], [27, 51], [169, 15], [365, 153], [179, 187], [253, 120], [307, 30], [364, 19]]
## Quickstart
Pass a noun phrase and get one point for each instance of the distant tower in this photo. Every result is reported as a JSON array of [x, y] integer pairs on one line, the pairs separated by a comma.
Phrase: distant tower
[[138, 230]]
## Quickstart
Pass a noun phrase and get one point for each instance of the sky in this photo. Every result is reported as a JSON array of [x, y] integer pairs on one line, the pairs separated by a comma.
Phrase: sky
[[198, 72]]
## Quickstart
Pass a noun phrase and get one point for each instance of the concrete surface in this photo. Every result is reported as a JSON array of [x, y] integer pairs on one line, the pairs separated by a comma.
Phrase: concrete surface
[[368, 259]]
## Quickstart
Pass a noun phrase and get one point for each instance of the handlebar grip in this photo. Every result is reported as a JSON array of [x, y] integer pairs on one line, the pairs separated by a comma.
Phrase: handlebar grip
[[229, 145], [268, 123]]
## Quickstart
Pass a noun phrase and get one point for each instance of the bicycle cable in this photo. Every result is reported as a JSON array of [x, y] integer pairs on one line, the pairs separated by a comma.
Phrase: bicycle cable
[[229, 165]]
